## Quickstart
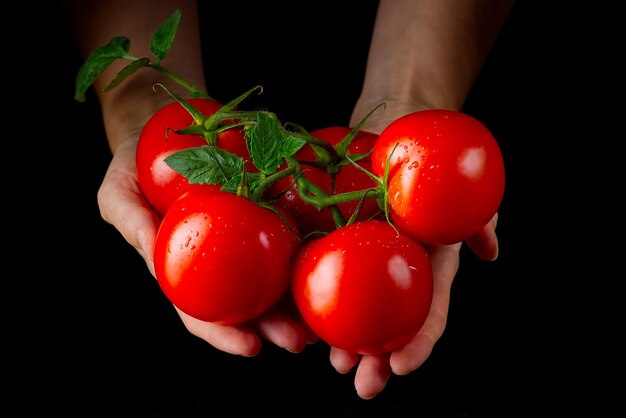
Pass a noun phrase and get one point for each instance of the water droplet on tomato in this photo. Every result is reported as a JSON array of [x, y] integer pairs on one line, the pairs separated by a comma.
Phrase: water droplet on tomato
[[264, 240]]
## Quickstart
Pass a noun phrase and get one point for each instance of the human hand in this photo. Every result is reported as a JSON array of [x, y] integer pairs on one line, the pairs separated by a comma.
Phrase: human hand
[[122, 205], [374, 371]]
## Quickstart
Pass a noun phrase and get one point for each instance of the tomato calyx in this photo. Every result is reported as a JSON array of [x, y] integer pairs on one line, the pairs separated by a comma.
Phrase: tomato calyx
[[385, 182], [209, 127]]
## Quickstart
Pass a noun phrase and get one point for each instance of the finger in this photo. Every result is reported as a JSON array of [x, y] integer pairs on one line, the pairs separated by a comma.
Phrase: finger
[[445, 262], [279, 328], [416, 352], [238, 340], [485, 242], [343, 361], [289, 308], [372, 375]]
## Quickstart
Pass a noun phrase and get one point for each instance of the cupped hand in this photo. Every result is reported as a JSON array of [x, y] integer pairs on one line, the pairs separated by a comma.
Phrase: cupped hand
[[122, 205], [373, 372]]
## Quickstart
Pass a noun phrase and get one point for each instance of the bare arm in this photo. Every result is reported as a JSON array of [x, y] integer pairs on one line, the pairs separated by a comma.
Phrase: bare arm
[[427, 54]]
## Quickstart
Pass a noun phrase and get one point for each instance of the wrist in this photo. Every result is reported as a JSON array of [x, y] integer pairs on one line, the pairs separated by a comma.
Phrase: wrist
[[128, 107], [390, 110]]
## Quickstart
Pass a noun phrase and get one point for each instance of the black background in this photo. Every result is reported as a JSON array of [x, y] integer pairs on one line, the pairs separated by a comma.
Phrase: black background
[[533, 334]]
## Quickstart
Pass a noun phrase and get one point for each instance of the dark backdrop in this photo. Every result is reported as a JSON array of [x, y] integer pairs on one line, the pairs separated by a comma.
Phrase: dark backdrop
[[529, 335]]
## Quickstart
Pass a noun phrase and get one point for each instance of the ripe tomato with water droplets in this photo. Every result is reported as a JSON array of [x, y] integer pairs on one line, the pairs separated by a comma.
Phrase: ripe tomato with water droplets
[[222, 258], [446, 174], [363, 288]]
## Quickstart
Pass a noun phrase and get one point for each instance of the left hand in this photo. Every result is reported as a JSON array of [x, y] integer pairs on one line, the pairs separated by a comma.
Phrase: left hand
[[373, 372]]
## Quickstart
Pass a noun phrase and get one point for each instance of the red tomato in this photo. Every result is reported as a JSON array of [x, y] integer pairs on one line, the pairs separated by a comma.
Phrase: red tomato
[[348, 179], [363, 288], [446, 175], [160, 184], [222, 258]]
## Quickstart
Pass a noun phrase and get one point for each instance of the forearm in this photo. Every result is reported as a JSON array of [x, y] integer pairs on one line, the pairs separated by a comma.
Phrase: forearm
[[127, 106], [427, 53]]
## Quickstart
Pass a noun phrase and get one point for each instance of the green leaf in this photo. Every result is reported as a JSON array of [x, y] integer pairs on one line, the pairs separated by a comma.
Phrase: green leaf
[[127, 71], [99, 59], [264, 143], [290, 145], [163, 37], [207, 164]]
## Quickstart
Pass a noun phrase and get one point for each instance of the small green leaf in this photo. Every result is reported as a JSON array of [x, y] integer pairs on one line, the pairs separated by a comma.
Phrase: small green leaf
[[206, 164], [264, 142], [127, 71], [99, 59], [163, 37]]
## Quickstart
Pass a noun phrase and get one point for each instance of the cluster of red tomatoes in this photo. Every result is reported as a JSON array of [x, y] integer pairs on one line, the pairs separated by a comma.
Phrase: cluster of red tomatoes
[[337, 218]]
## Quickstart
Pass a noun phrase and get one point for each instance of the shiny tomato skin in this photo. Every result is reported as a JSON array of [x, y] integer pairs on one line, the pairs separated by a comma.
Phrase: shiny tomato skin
[[348, 179], [446, 176], [363, 288], [222, 258], [159, 183]]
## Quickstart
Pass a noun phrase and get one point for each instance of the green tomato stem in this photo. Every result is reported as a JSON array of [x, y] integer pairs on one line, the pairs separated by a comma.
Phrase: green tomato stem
[[321, 199], [195, 91]]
